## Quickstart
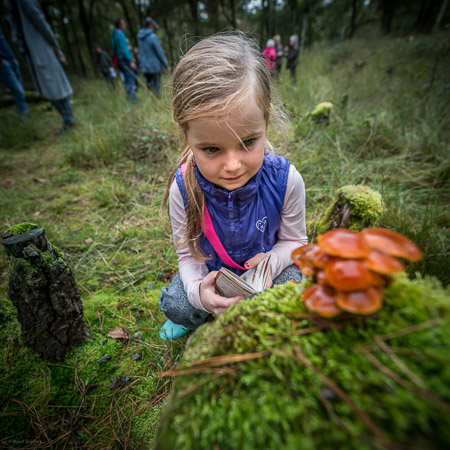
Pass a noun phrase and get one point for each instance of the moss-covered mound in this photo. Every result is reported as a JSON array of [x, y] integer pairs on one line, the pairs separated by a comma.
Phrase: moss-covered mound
[[355, 207], [366, 382]]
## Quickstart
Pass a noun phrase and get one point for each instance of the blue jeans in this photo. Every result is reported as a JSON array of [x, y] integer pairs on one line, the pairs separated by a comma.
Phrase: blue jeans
[[153, 82], [10, 74], [174, 303], [64, 107], [129, 79]]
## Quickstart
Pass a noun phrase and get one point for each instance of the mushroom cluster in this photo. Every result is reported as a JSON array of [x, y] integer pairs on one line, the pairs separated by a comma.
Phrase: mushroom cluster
[[351, 269]]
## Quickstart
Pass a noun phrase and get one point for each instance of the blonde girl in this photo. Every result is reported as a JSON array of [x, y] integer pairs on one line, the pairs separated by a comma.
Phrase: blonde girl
[[222, 103]]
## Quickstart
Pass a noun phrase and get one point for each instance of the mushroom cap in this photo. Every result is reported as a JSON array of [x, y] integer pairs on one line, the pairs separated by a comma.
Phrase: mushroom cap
[[306, 255], [349, 275], [383, 263], [344, 243], [307, 271], [393, 243], [322, 300], [361, 302], [321, 278]]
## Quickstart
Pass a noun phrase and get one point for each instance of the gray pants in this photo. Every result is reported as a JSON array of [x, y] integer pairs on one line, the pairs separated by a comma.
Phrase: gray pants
[[174, 303]]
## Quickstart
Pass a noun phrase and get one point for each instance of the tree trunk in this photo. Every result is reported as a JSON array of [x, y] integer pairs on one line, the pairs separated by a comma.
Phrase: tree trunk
[[388, 15], [440, 15], [193, 6], [353, 19], [305, 23], [86, 25], [43, 290], [75, 39], [132, 36]]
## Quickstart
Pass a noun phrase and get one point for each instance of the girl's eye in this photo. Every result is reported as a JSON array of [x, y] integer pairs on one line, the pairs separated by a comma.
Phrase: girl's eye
[[210, 150], [249, 142]]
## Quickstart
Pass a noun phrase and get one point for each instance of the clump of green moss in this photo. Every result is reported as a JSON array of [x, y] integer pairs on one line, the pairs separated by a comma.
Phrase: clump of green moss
[[278, 401], [355, 207], [20, 228]]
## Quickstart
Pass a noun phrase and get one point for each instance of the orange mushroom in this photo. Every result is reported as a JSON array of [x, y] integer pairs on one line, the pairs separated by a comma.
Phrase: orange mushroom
[[321, 278], [305, 256], [361, 302], [393, 243], [348, 275], [344, 243], [321, 299], [307, 271], [383, 263]]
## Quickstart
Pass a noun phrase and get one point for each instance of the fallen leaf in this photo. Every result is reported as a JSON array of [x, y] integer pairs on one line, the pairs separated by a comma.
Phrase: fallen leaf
[[118, 333], [88, 241], [119, 381], [40, 180]]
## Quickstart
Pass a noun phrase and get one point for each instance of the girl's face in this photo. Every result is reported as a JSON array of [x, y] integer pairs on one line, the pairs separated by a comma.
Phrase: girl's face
[[229, 150]]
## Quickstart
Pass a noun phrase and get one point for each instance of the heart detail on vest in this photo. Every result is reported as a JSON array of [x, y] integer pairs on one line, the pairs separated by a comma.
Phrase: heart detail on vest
[[261, 224]]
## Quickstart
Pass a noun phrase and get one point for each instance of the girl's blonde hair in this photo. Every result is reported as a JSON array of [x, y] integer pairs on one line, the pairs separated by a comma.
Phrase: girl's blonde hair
[[216, 76]]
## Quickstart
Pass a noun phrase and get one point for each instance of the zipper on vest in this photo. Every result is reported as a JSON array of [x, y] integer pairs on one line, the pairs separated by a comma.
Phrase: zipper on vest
[[231, 212]]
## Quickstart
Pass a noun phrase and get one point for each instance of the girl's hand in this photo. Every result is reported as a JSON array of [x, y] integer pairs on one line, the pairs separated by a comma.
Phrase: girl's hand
[[253, 262], [211, 300]]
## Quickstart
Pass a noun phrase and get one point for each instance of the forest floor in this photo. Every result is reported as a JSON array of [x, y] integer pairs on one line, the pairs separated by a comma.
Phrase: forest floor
[[97, 191]]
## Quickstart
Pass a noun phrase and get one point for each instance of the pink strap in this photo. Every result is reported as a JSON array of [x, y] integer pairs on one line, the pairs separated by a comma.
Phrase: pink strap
[[210, 233]]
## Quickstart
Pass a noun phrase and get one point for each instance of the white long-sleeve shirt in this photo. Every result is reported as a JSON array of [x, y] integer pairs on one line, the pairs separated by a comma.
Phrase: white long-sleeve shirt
[[292, 234]]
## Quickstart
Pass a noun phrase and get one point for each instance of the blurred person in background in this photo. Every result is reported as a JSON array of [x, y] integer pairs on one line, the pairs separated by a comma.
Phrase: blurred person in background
[[280, 54], [10, 74], [124, 59], [291, 54], [152, 60], [105, 65], [34, 37], [270, 56]]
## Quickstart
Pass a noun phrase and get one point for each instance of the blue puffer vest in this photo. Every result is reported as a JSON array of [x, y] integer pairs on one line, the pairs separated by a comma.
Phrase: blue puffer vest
[[246, 220]]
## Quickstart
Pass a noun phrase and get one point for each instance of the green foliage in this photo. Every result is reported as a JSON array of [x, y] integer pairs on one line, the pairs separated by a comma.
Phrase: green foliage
[[276, 401], [366, 208], [21, 228]]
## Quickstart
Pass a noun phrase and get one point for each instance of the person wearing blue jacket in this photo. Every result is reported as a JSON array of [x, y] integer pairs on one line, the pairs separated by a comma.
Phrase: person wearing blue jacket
[[124, 59], [152, 60], [10, 74]]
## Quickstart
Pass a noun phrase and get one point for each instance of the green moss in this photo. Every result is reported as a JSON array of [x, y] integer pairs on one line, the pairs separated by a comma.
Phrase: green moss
[[365, 205], [277, 402], [21, 228]]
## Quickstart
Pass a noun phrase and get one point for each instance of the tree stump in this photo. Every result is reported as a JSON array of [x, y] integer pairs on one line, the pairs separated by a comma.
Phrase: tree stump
[[43, 290], [355, 207]]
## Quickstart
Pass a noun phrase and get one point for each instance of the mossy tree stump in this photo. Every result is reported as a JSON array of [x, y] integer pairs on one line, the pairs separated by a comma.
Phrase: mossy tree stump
[[43, 290], [355, 207]]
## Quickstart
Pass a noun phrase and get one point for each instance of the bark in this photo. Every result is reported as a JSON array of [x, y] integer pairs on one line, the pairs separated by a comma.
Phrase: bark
[[86, 25], [353, 19], [440, 15], [388, 15], [43, 290], [132, 35], [75, 39]]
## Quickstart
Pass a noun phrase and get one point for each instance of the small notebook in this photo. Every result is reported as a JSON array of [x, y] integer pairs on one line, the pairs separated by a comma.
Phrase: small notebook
[[228, 284]]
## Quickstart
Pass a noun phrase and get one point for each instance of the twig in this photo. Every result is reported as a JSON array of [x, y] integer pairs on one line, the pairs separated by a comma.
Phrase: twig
[[426, 394], [402, 332], [400, 364], [376, 430]]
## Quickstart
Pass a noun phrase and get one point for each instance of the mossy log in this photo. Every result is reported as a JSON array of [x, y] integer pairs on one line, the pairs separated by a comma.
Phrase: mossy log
[[355, 207], [268, 374], [43, 290]]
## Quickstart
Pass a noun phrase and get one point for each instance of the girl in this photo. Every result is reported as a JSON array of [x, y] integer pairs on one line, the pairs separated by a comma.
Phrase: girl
[[222, 102]]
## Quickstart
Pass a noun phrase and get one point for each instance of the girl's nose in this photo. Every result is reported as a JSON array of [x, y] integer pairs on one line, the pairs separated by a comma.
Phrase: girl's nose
[[232, 164]]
